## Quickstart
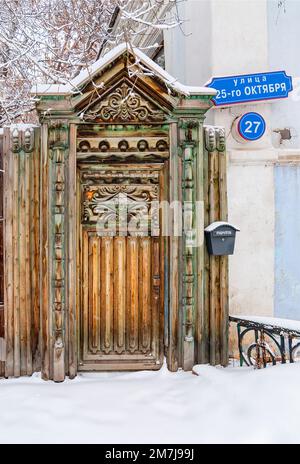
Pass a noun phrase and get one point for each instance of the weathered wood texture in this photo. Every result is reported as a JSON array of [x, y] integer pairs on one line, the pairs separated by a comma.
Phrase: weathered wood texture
[[174, 328], [121, 124], [121, 272], [197, 313], [71, 280], [2, 347], [188, 268], [58, 251], [202, 298], [2, 343], [71, 296], [198, 303], [217, 266], [120, 320], [21, 251]]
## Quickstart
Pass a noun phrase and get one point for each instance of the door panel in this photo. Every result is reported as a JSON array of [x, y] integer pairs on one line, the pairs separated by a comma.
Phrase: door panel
[[120, 272], [107, 294]]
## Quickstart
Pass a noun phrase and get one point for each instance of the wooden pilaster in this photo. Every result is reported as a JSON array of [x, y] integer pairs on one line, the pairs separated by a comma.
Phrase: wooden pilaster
[[204, 283], [71, 227], [202, 293], [193, 253], [55, 151], [174, 198], [46, 320], [218, 265]]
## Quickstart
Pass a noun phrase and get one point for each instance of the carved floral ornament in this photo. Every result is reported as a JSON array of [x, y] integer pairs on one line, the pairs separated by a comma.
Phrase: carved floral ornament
[[126, 105], [133, 207]]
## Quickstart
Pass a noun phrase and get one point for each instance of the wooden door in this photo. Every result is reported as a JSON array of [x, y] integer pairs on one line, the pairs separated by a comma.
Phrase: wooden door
[[121, 268]]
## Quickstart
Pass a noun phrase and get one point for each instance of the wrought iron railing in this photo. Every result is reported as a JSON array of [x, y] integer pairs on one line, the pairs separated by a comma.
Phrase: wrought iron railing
[[261, 343]]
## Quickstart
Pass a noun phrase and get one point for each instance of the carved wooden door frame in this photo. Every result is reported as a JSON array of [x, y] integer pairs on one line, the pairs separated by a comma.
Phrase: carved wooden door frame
[[184, 291], [46, 338]]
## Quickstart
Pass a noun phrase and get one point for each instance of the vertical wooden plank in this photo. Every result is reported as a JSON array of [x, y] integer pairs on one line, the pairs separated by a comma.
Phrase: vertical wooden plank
[[172, 357], [85, 291], [21, 228], [119, 293], [132, 333], [224, 329], [155, 292], [22, 245], [107, 291], [180, 266], [27, 245], [44, 257], [58, 234], [214, 262], [7, 250], [34, 232], [79, 308], [2, 342], [201, 326], [8, 254], [90, 307], [164, 265], [94, 291], [204, 355], [1, 222], [224, 304], [145, 293], [16, 261], [71, 290], [189, 282]]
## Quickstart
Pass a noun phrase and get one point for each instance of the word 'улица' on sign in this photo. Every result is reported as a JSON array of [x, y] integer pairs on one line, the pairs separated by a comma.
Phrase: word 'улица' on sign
[[250, 87]]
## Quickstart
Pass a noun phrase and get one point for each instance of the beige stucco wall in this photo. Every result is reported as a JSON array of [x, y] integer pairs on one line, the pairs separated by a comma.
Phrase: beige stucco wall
[[229, 38], [251, 207], [239, 36]]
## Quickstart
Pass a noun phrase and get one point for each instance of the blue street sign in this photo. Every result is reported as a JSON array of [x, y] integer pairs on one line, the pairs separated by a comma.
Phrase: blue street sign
[[251, 126], [250, 87]]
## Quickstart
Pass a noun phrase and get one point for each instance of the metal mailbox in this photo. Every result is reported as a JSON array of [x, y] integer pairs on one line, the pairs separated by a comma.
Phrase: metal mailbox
[[220, 238]]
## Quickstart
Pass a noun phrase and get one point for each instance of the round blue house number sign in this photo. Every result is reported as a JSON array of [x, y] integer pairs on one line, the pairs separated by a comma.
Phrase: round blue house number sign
[[251, 126]]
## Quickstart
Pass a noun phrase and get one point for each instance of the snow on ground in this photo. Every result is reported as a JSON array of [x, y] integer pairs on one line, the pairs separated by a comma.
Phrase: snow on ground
[[232, 405]]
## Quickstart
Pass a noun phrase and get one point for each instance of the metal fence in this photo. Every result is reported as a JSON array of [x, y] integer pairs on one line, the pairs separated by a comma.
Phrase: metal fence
[[261, 344]]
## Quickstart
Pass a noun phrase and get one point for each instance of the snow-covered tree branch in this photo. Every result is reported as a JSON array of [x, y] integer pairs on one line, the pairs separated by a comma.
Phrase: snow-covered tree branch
[[51, 41]]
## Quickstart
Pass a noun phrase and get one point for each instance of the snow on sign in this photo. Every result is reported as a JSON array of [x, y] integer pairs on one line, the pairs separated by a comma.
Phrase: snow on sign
[[250, 87]]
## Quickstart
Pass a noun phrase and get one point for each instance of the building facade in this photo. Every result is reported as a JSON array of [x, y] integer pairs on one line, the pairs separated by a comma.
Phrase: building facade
[[224, 38], [52, 318]]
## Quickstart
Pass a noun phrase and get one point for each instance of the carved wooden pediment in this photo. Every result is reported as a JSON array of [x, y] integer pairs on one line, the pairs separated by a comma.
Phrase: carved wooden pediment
[[123, 86], [124, 104], [118, 199]]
